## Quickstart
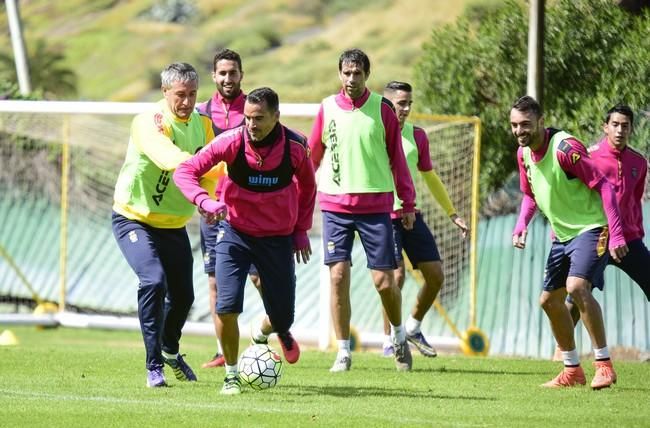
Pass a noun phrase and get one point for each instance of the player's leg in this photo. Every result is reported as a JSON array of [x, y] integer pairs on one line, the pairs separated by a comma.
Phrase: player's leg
[[422, 251], [233, 258], [176, 255], [139, 249], [209, 233], [376, 234], [400, 276], [552, 302], [338, 235], [635, 265], [588, 260], [273, 258]]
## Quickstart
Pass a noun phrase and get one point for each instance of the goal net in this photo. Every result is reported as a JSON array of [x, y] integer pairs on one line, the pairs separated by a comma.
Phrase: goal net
[[58, 167]]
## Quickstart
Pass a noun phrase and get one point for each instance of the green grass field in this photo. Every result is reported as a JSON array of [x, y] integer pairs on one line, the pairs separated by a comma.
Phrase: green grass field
[[73, 377]]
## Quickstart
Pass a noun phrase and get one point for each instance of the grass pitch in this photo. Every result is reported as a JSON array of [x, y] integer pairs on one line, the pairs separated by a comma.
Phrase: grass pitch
[[78, 378]]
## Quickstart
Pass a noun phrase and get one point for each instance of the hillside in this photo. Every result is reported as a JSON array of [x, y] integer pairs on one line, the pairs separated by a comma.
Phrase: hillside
[[117, 47]]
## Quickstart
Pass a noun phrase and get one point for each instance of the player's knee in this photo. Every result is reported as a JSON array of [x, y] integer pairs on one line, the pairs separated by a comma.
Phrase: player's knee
[[549, 301]]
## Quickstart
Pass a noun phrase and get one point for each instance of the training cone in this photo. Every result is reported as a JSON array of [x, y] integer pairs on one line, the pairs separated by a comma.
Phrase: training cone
[[8, 338]]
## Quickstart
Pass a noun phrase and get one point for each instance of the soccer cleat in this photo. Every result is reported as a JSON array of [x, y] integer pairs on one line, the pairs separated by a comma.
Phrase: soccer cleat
[[403, 358], [217, 361], [569, 376], [341, 364], [156, 378], [231, 385], [182, 371], [289, 346], [419, 341], [605, 375], [387, 350]]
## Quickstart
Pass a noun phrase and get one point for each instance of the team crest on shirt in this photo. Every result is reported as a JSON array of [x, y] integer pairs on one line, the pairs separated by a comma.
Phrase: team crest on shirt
[[575, 157], [133, 237], [158, 121], [220, 234], [635, 172]]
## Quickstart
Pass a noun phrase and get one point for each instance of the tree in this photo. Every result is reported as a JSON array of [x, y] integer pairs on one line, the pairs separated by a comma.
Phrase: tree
[[50, 78], [596, 55]]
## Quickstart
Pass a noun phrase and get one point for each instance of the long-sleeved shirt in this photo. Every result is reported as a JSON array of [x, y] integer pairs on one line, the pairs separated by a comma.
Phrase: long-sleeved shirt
[[225, 113], [367, 203], [575, 162], [626, 170], [432, 180], [159, 141], [281, 212]]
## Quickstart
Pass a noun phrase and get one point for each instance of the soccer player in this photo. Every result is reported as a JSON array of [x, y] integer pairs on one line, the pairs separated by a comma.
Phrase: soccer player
[[626, 169], [268, 200], [150, 214], [557, 175], [226, 110], [418, 243], [356, 137]]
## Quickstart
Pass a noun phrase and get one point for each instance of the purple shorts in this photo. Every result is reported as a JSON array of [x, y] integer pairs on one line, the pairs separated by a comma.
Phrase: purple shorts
[[584, 256], [418, 243], [634, 264], [375, 231]]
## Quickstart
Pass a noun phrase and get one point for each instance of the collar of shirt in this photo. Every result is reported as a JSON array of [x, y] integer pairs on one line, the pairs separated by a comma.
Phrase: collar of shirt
[[347, 103], [231, 103]]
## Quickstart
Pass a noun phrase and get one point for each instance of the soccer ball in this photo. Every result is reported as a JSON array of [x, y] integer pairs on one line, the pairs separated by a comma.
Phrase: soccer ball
[[260, 367]]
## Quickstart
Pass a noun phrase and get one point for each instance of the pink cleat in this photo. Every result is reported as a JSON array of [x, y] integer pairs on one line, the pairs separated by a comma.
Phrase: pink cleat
[[570, 376], [605, 375]]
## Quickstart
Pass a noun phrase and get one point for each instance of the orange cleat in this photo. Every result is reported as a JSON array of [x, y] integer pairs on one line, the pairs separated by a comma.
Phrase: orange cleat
[[217, 361], [605, 375], [570, 376]]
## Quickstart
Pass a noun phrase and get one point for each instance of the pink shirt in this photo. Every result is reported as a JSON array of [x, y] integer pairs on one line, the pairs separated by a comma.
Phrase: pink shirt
[[626, 170], [424, 158], [586, 171], [422, 143], [225, 113], [367, 203], [259, 214]]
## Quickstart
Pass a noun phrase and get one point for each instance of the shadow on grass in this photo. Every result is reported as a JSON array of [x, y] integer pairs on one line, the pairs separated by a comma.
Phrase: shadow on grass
[[369, 391]]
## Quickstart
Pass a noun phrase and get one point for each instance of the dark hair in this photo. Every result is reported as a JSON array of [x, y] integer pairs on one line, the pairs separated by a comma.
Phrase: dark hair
[[228, 55], [623, 109], [178, 72], [528, 104], [355, 56], [264, 94], [394, 85]]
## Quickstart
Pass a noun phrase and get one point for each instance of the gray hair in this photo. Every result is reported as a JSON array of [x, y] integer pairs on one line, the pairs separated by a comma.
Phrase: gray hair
[[178, 72]]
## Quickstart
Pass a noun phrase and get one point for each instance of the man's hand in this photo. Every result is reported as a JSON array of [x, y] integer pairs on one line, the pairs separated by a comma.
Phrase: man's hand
[[301, 246], [213, 211], [618, 252], [519, 239], [408, 219], [460, 223]]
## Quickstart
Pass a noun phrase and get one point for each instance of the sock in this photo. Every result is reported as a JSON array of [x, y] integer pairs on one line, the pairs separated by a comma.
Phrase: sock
[[571, 358], [258, 335], [169, 356], [387, 341], [219, 348], [231, 370], [344, 348], [412, 326], [397, 333], [601, 354]]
